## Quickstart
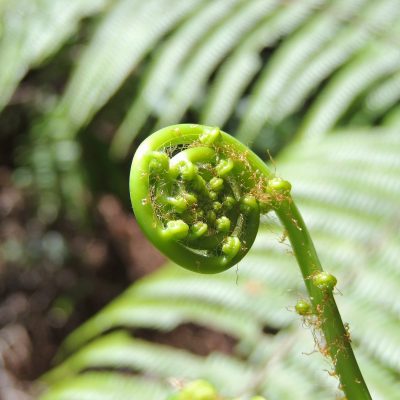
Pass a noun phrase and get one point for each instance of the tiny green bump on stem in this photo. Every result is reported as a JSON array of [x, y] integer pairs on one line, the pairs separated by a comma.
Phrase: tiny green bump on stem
[[223, 224], [303, 307], [176, 230], [279, 185], [216, 184], [224, 167], [231, 246], [229, 202], [324, 281], [178, 204], [210, 136], [198, 229], [159, 162], [248, 203]]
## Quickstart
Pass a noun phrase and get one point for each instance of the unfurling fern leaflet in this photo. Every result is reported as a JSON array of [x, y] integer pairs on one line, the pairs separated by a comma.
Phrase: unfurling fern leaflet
[[198, 194]]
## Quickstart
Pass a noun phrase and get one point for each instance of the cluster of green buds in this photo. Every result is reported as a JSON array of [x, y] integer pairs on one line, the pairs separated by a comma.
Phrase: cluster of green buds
[[193, 192], [203, 390]]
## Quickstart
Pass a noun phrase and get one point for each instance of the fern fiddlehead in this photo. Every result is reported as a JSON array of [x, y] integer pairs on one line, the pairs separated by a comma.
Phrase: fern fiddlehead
[[198, 193], [194, 199]]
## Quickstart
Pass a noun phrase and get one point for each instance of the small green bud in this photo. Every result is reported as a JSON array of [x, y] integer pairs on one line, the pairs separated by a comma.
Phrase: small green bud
[[278, 185], [198, 229], [212, 195], [178, 204], [185, 168], [159, 162], [229, 202], [199, 184], [210, 137], [223, 224], [231, 247], [199, 213], [324, 281], [176, 230], [224, 167], [198, 390], [216, 184], [248, 204], [303, 307], [216, 205]]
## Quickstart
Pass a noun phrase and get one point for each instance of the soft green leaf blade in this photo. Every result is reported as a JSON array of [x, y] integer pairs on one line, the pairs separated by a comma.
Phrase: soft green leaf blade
[[123, 38], [33, 30]]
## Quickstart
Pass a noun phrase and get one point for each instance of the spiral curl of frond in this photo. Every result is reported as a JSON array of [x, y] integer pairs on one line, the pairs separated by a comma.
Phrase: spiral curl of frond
[[197, 193]]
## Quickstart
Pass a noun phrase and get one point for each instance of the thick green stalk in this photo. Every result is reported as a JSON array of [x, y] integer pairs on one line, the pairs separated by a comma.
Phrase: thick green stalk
[[337, 338], [324, 308]]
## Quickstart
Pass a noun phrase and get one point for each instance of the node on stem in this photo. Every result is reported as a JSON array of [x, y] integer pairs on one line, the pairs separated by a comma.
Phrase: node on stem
[[324, 281]]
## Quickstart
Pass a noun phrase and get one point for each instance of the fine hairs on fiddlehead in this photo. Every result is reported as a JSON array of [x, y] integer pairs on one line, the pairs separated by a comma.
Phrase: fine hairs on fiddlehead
[[198, 194]]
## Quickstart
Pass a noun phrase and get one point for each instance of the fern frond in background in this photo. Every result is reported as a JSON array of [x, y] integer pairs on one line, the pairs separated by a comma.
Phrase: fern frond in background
[[316, 82], [33, 31]]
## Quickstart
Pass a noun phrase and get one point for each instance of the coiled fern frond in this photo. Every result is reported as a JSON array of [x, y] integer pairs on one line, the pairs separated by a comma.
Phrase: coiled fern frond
[[196, 193], [212, 182]]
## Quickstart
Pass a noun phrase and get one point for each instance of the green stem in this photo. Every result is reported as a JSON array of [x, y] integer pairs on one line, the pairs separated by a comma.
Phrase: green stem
[[323, 304]]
